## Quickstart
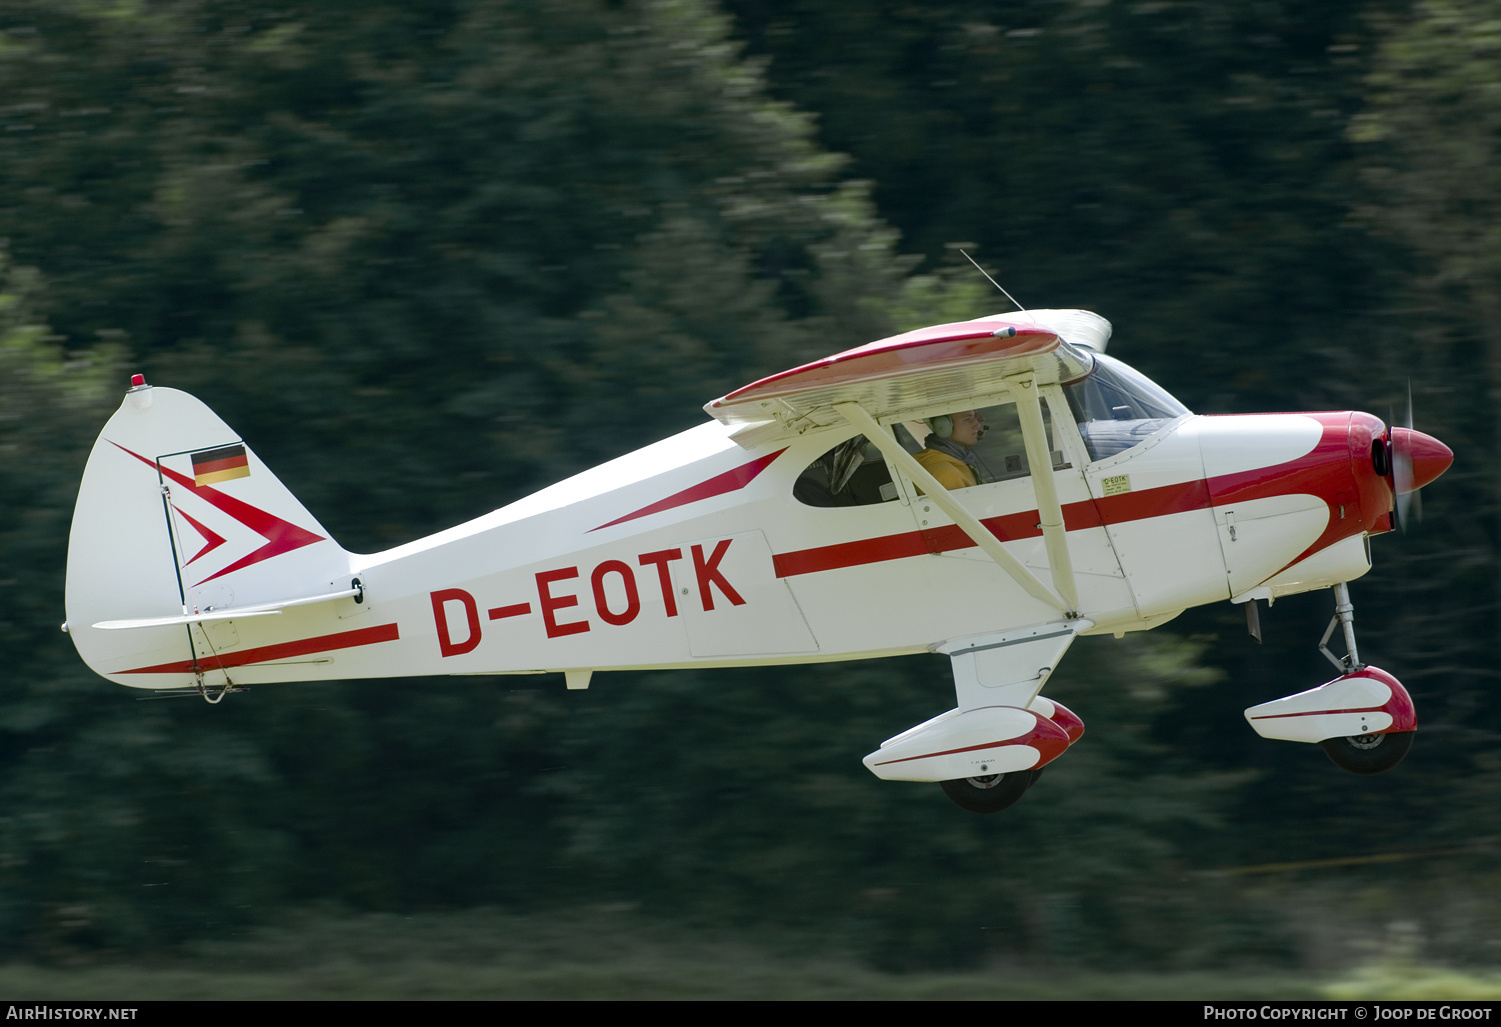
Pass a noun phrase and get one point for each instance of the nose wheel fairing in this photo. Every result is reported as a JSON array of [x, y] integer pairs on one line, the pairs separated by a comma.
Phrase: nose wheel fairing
[[1365, 702], [1364, 719]]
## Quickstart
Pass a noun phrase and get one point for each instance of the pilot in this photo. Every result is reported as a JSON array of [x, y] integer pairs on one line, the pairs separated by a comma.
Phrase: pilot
[[948, 454]]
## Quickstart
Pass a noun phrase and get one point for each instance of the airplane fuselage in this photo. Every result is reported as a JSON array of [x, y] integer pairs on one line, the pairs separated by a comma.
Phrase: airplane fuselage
[[695, 551], [1209, 509]]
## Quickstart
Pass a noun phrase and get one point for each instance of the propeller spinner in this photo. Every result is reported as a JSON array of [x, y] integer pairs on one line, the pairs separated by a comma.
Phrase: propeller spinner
[[1415, 460]]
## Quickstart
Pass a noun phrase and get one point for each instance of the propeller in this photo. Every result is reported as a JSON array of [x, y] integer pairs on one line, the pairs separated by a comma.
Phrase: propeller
[[1409, 508], [1415, 460]]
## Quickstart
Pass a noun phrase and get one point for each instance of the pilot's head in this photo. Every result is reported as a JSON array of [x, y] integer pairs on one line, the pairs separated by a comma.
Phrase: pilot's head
[[964, 427]]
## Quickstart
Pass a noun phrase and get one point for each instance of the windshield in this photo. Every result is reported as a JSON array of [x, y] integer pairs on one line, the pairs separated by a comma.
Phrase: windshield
[[1117, 407]]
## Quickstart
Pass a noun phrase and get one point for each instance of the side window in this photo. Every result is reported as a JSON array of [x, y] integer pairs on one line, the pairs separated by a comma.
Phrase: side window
[[1000, 453], [853, 473]]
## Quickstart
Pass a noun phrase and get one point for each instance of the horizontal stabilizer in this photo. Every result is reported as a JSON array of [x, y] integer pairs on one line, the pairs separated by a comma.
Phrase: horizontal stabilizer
[[258, 610]]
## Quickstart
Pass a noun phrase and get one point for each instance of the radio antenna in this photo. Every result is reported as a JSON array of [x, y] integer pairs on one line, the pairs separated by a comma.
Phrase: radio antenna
[[992, 281]]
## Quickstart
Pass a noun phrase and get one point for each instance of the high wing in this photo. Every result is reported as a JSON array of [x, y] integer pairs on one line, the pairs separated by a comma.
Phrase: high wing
[[949, 365], [944, 364]]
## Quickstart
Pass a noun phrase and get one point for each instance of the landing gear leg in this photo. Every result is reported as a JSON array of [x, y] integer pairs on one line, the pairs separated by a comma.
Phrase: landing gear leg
[[1358, 754], [1344, 616]]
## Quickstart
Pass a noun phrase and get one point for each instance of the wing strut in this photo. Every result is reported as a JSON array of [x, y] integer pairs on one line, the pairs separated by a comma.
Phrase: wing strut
[[1050, 511], [967, 522]]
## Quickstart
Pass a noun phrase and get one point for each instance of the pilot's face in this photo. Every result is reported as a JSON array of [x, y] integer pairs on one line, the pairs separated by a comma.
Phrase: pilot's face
[[967, 428]]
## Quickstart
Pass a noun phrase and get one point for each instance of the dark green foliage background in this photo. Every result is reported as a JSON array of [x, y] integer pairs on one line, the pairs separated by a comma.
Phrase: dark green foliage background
[[428, 258]]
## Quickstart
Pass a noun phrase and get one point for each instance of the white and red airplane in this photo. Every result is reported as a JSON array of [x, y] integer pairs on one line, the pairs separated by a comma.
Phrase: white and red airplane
[[795, 526]]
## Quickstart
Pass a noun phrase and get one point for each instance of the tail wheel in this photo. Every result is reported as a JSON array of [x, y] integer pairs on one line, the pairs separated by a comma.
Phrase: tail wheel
[[990, 793], [1367, 754]]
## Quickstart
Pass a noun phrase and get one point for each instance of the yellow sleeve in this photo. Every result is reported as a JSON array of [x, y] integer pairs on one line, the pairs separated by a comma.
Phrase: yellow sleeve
[[951, 474]]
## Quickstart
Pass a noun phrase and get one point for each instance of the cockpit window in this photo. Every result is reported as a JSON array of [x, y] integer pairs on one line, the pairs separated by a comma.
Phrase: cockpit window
[[1000, 453], [1117, 407], [854, 473], [1001, 450]]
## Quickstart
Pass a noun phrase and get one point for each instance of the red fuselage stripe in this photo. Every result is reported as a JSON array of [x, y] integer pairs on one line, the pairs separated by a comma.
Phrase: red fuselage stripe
[[279, 651], [850, 554], [1312, 474], [730, 481], [1132, 506]]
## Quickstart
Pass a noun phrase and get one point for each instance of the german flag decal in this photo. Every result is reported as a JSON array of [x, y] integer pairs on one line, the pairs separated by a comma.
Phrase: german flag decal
[[223, 464]]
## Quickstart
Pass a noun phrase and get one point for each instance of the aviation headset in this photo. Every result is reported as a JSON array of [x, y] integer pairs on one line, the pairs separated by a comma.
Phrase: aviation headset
[[943, 426]]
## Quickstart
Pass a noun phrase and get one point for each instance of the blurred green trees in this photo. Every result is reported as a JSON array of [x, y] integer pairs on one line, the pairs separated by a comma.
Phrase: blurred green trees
[[1180, 168], [421, 236]]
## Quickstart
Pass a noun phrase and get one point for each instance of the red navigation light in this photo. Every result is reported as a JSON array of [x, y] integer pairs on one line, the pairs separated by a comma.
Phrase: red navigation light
[[137, 380]]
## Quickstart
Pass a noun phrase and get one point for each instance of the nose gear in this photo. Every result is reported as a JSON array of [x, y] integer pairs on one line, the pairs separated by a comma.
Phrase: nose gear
[[1364, 719], [1344, 615]]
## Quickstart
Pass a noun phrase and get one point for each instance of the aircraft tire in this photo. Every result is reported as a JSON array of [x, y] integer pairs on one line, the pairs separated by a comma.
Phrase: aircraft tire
[[989, 794], [1368, 754]]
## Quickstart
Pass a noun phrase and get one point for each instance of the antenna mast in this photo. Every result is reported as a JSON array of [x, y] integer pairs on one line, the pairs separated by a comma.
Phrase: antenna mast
[[992, 281]]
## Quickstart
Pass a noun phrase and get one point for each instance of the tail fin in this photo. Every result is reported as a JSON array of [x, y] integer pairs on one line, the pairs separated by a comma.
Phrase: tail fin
[[176, 516]]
